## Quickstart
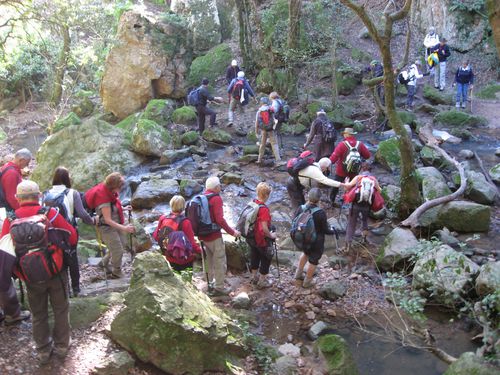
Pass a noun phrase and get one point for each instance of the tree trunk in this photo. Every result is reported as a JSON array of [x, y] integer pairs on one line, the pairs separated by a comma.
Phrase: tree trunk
[[243, 40], [493, 8], [294, 23], [62, 63], [335, 91]]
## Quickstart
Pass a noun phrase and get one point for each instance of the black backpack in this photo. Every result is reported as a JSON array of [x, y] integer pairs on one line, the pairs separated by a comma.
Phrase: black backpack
[[194, 97], [303, 231], [198, 212], [283, 114], [56, 200], [329, 132], [401, 78], [3, 200]]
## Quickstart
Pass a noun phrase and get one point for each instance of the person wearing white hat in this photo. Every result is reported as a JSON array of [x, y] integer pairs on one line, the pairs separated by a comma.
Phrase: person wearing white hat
[[232, 71], [240, 91], [413, 75], [431, 39]]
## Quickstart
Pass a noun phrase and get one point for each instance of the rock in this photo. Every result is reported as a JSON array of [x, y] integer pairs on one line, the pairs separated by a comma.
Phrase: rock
[[84, 108], [335, 260], [479, 189], [441, 135], [286, 365], [248, 158], [316, 330], [445, 236], [488, 280], [237, 254], [211, 65], [217, 136], [310, 315], [153, 192], [290, 350], [250, 150], [459, 118], [190, 188], [115, 364], [198, 151], [128, 124], [287, 258], [141, 239], [436, 97], [190, 138], [466, 154], [358, 126], [159, 111], [90, 151], [497, 151], [468, 363], [68, 120], [333, 290], [431, 157], [460, 216], [241, 301], [408, 118], [392, 133], [184, 115], [399, 246], [347, 80], [392, 197], [171, 156], [149, 138], [388, 154], [151, 56], [428, 108], [433, 183], [335, 352], [232, 178], [86, 310], [495, 173], [170, 324], [461, 133], [445, 272], [8, 104]]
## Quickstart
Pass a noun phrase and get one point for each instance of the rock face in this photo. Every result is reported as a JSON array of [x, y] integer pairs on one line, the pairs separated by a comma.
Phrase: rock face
[[460, 216], [468, 363], [437, 270], [172, 325], [155, 191], [488, 280], [150, 59], [336, 353], [90, 151], [399, 245], [149, 138]]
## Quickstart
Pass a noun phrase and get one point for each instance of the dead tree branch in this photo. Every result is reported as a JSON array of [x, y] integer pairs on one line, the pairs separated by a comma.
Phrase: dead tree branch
[[429, 340]]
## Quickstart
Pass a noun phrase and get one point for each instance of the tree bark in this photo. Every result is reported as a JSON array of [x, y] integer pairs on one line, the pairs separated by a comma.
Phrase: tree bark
[[62, 63], [493, 9], [335, 91], [294, 23]]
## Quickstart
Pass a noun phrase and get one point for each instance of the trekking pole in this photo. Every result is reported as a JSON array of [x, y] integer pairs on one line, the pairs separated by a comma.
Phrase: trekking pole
[[277, 260], [132, 252], [336, 236], [203, 262], [471, 99], [101, 252]]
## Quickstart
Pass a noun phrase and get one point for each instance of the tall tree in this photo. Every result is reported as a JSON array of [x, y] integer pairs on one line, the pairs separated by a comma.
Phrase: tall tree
[[294, 23], [410, 195]]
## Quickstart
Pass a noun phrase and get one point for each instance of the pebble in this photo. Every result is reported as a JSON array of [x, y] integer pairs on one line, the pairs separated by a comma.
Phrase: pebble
[[466, 154], [331, 312], [310, 315], [289, 350], [497, 151], [316, 330]]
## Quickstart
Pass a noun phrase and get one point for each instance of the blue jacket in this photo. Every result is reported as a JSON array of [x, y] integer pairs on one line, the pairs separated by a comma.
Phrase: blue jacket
[[246, 87], [464, 75]]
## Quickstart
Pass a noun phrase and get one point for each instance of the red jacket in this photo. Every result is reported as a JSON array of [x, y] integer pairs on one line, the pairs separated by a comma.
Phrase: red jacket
[[100, 194], [9, 182], [217, 215], [263, 216], [340, 153], [187, 228], [31, 208]]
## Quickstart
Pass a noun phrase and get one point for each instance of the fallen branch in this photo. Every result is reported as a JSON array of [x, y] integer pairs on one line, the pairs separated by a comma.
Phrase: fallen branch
[[430, 141], [431, 346]]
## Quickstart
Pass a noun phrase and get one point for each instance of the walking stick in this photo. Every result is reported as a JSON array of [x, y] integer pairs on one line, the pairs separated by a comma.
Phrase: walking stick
[[277, 261], [203, 263], [101, 252], [132, 252], [471, 99]]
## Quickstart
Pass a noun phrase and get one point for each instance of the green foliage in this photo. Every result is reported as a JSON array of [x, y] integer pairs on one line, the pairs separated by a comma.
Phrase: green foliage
[[264, 354], [489, 91], [68, 120], [470, 6], [401, 295], [211, 66]]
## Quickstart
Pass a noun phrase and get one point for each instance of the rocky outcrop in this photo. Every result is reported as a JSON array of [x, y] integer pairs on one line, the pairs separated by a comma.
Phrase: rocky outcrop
[[170, 324], [398, 246], [460, 216], [149, 138], [153, 192], [150, 59], [488, 280], [468, 363], [90, 151]]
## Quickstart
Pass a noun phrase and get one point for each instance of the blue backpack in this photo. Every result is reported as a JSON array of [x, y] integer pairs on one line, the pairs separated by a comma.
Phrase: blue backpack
[[303, 230], [194, 97]]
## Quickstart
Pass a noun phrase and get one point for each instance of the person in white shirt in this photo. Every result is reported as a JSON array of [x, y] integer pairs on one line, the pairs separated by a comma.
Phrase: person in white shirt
[[431, 39], [413, 75]]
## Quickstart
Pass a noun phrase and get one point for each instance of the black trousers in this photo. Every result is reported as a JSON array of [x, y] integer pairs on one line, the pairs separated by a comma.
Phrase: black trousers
[[296, 194], [259, 261], [335, 191], [71, 260], [202, 111]]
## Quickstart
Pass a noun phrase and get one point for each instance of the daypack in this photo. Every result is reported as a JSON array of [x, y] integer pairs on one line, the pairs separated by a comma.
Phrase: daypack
[[3, 200], [352, 161], [60, 202], [283, 114], [198, 212], [404, 77], [365, 191], [295, 165], [38, 257], [194, 97], [172, 240], [329, 132], [246, 221], [303, 230], [238, 89], [266, 120]]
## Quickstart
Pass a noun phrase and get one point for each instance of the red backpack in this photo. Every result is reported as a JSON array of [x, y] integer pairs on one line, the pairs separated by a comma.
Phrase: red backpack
[[238, 88], [172, 240], [295, 165], [266, 120]]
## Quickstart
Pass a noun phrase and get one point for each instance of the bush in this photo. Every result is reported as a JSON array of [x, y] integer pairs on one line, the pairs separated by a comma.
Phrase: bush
[[211, 66], [489, 91]]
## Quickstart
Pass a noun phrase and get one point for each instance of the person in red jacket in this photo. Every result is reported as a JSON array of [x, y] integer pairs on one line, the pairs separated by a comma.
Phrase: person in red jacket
[[57, 341], [339, 155], [11, 176], [177, 205], [214, 245]]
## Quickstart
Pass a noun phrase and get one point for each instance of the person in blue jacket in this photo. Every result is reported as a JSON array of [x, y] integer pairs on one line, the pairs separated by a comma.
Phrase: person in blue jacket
[[240, 92], [464, 78]]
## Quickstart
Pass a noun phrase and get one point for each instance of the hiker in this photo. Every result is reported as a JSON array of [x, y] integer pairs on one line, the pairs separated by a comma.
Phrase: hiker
[[214, 245], [176, 222], [363, 191], [315, 251], [231, 72], [464, 78], [111, 230], [240, 91], [413, 76], [69, 203], [265, 122], [281, 113], [308, 177], [347, 156], [260, 240], [44, 280], [202, 108], [443, 52], [431, 39], [322, 136], [377, 70], [10, 177]]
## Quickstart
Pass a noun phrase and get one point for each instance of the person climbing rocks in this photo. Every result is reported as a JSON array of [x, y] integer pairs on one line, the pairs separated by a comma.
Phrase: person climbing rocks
[[464, 79], [261, 247], [264, 125], [10, 177], [413, 76], [240, 92], [177, 222], [280, 108], [309, 177], [202, 108], [430, 40], [104, 198], [348, 156], [213, 243], [377, 70], [232, 71], [322, 136], [50, 287], [322, 228], [443, 52]]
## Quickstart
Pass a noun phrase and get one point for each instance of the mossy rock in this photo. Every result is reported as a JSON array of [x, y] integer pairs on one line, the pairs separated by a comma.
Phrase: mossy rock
[[392, 197], [360, 56], [388, 154], [217, 136], [469, 364], [84, 311], [68, 120], [461, 133], [273, 80], [433, 158], [211, 65], [190, 138], [149, 138], [190, 188], [159, 110], [184, 115], [318, 92], [251, 137], [3, 135], [408, 118], [296, 129], [128, 124], [250, 150], [495, 173], [339, 360], [428, 108], [314, 107], [84, 108], [346, 83], [458, 118], [300, 118], [460, 216], [435, 96]]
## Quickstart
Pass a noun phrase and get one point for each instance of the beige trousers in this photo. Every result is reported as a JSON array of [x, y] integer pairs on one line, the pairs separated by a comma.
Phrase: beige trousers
[[116, 242], [216, 261], [274, 145]]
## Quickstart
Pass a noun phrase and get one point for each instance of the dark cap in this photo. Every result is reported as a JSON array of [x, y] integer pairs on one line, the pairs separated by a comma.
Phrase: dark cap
[[443, 39], [205, 81]]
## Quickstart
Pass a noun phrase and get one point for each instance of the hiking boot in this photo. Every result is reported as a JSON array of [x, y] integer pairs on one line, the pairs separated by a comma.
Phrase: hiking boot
[[463, 105], [61, 352], [220, 292], [457, 105], [23, 315], [299, 274], [308, 283], [44, 357], [116, 275], [263, 283], [76, 292]]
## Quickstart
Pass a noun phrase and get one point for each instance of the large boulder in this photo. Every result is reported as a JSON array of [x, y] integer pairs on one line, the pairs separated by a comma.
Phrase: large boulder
[[149, 138], [479, 189], [150, 59], [495, 173], [217, 136], [155, 191], [211, 65], [470, 364], [170, 324], [159, 111], [433, 183], [460, 216], [488, 280], [388, 154], [399, 245], [90, 151], [444, 272], [184, 115], [335, 352]]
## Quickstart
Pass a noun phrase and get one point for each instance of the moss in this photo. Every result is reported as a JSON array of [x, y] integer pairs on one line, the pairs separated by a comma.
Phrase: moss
[[217, 136], [273, 80], [250, 150], [489, 91], [428, 108], [346, 82], [148, 126], [3, 135], [184, 115], [435, 96], [190, 138], [251, 137], [128, 124], [336, 352], [159, 110], [408, 118], [68, 120], [388, 154], [211, 65], [458, 118]]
